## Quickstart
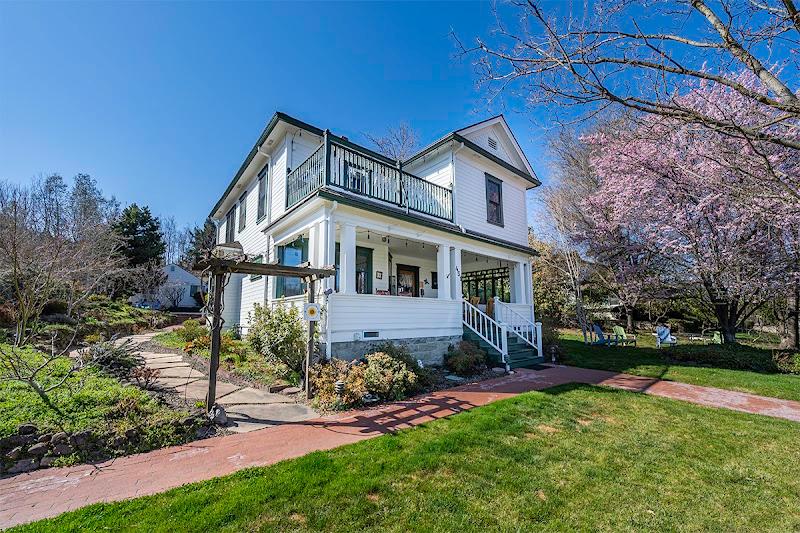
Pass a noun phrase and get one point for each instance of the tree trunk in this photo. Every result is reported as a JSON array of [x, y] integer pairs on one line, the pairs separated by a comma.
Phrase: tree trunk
[[792, 340], [726, 313], [629, 317]]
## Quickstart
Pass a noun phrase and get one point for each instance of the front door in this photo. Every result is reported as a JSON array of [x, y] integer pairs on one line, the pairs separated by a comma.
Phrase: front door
[[407, 280]]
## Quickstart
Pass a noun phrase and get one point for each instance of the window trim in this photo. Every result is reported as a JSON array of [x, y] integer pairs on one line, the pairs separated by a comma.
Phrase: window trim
[[261, 211], [242, 212], [495, 181], [230, 225]]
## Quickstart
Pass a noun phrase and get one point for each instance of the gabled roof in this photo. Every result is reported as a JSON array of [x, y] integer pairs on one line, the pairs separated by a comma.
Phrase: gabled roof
[[460, 136]]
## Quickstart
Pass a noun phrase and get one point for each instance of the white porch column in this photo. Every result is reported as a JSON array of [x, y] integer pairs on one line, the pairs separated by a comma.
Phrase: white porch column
[[443, 269], [347, 259], [330, 249], [313, 245], [518, 284], [455, 273]]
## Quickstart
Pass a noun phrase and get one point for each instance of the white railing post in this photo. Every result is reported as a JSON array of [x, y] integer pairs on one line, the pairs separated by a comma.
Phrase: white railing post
[[504, 345], [539, 338]]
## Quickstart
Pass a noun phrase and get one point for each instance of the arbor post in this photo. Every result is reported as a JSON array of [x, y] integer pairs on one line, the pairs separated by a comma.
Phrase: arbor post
[[218, 282], [312, 327]]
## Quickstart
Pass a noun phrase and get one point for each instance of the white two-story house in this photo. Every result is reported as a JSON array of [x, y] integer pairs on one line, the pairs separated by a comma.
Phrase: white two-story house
[[427, 250]]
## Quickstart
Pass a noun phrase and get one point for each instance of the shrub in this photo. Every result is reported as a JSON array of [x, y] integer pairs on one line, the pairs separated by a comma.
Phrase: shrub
[[323, 380], [425, 377], [388, 377], [279, 334], [465, 359], [737, 357], [93, 338], [191, 330], [112, 358], [59, 335], [55, 307]]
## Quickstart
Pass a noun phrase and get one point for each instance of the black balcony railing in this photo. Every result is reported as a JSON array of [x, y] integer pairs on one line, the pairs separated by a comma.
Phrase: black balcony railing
[[344, 166]]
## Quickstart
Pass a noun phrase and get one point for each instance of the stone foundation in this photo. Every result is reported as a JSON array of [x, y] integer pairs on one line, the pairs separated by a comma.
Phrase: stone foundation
[[430, 350]]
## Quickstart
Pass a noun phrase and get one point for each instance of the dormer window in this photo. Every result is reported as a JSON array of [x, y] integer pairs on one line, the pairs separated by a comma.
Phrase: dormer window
[[492, 144]]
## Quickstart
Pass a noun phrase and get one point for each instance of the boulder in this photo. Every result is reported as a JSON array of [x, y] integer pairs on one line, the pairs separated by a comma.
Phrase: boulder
[[62, 449], [59, 438], [24, 465], [47, 461], [45, 437], [132, 434], [81, 438], [189, 421], [14, 454], [27, 429], [218, 415], [22, 440], [39, 449]]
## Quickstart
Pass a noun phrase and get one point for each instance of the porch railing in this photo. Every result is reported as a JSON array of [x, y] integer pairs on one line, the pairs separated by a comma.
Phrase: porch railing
[[340, 164], [520, 325], [487, 328]]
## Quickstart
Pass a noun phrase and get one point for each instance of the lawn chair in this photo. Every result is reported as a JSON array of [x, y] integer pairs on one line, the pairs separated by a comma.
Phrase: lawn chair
[[602, 340], [716, 338], [664, 337], [623, 338]]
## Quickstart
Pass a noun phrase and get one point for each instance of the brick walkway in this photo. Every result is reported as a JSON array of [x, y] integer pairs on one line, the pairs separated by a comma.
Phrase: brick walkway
[[46, 493]]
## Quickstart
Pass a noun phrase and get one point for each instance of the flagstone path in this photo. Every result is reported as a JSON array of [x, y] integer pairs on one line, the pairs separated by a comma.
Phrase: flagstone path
[[248, 408]]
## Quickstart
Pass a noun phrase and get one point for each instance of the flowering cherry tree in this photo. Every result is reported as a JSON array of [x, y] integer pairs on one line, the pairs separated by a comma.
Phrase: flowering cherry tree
[[719, 208]]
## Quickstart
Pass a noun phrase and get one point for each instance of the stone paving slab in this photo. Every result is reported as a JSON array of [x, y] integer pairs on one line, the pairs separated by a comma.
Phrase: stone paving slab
[[166, 364], [180, 372], [250, 395], [249, 417], [45, 493]]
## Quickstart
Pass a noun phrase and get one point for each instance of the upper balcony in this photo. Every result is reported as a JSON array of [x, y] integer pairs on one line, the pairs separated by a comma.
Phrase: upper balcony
[[341, 164]]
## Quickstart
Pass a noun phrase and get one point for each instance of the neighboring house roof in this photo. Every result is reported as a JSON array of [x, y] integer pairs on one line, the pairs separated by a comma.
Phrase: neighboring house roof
[[181, 272], [457, 136]]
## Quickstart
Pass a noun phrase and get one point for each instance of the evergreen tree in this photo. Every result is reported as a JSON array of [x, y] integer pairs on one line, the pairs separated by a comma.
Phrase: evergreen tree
[[142, 233], [202, 239]]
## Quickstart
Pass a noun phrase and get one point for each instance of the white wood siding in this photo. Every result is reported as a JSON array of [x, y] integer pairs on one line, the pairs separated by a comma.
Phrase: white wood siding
[[436, 169], [471, 199], [393, 317]]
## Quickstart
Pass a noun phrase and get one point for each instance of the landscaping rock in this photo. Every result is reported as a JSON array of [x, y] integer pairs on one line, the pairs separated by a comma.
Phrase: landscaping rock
[[27, 429], [14, 454], [45, 437], [288, 391], [218, 415], [38, 449], [454, 378], [189, 421], [24, 465], [47, 461], [499, 370], [81, 439], [63, 449], [22, 440], [131, 434], [59, 438], [5, 443]]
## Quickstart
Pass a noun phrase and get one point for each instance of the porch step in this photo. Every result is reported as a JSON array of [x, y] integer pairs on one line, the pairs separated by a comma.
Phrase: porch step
[[520, 354]]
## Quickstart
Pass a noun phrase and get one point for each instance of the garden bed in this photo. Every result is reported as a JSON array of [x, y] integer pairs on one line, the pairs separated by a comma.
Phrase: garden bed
[[92, 416]]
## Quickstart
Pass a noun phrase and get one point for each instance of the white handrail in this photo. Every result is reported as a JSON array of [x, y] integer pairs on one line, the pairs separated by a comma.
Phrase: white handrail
[[487, 328], [528, 331]]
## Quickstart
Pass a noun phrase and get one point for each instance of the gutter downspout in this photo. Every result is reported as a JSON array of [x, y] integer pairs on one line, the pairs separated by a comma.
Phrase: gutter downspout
[[330, 237]]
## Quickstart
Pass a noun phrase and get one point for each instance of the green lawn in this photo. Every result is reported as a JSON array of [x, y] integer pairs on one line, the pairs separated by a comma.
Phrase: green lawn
[[647, 361], [574, 457]]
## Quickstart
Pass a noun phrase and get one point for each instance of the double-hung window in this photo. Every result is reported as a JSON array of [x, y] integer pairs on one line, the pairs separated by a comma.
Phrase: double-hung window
[[242, 211], [292, 254], [230, 225], [494, 200], [262, 193]]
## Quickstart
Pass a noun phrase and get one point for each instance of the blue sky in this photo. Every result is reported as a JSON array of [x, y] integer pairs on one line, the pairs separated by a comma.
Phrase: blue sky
[[161, 102]]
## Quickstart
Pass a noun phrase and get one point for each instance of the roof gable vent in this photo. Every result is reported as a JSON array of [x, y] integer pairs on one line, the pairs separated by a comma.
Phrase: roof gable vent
[[492, 143]]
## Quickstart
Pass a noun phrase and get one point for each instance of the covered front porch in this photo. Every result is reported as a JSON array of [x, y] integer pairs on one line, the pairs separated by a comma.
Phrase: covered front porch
[[401, 284]]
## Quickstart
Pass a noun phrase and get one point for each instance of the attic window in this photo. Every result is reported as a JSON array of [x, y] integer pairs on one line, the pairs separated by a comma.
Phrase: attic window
[[492, 144]]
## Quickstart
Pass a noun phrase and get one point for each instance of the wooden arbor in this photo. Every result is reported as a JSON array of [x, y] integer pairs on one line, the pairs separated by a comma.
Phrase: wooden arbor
[[219, 268]]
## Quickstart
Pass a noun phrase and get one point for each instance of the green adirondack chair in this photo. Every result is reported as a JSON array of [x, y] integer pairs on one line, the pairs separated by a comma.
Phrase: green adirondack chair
[[623, 338], [715, 339]]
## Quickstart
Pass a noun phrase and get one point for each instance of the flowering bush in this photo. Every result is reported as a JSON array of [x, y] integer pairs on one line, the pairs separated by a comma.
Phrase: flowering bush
[[279, 334], [191, 330], [388, 377], [324, 377]]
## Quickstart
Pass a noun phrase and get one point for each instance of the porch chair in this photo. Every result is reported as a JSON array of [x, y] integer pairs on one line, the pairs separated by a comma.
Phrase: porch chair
[[665, 337], [623, 338], [490, 307], [475, 300], [716, 338], [602, 340]]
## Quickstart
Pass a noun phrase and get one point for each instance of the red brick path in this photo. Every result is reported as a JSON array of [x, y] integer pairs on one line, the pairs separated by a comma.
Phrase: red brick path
[[49, 492]]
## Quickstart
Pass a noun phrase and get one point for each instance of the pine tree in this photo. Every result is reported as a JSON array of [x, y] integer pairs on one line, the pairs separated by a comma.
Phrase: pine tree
[[142, 233], [202, 239]]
